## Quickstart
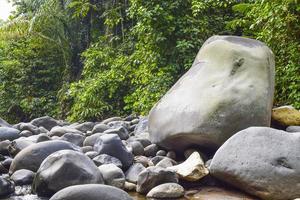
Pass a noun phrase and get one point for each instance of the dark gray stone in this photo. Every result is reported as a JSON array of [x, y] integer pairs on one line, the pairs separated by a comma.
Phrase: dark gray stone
[[120, 131], [23, 177], [7, 133], [91, 140], [31, 157], [112, 145], [46, 122], [84, 127], [137, 148], [107, 159], [154, 176], [65, 168], [293, 129], [151, 150], [91, 192], [74, 138], [100, 128], [6, 187], [261, 161]]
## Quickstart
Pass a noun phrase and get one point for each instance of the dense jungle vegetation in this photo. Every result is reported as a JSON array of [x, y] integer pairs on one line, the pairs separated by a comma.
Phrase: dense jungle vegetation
[[90, 59]]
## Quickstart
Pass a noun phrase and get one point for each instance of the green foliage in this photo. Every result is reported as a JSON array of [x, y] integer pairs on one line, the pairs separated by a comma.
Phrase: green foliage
[[90, 59], [277, 23]]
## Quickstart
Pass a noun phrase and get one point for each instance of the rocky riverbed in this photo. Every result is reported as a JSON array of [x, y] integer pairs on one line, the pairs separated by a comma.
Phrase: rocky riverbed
[[200, 141]]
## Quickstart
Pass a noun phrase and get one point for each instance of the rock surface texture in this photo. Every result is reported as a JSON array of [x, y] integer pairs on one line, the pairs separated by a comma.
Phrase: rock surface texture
[[91, 192], [229, 88], [65, 168], [261, 161]]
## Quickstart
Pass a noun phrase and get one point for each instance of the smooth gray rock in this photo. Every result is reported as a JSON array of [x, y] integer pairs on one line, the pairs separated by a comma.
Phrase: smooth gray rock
[[100, 128], [293, 129], [261, 161], [112, 175], [18, 145], [112, 145], [91, 140], [218, 96], [74, 138], [7, 133], [107, 159], [92, 154], [151, 150], [154, 176], [6, 187], [166, 191], [91, 192], [84, 127], [133, 172], [23, 177], [31, 157], [46, 122], [137, 148], [142, 126], [65, 168], [28, 127], [120, 131], [112, 119], [4, 147], [60, 131]]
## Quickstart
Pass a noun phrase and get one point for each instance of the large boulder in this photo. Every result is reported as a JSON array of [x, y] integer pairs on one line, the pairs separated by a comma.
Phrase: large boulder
[[219, 96], [91, 192], [31, 157], [7, 133], [261, 161], [65, 168], [112, 145]]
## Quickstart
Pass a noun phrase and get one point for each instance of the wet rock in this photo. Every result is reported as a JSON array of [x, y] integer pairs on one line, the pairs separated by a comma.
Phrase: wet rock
[[112, 175], [112, 145], [91, 192], [261, 161], [166, 191], [23, 177], [193, 169], [65, 168], [154, 176], [31, 157]]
